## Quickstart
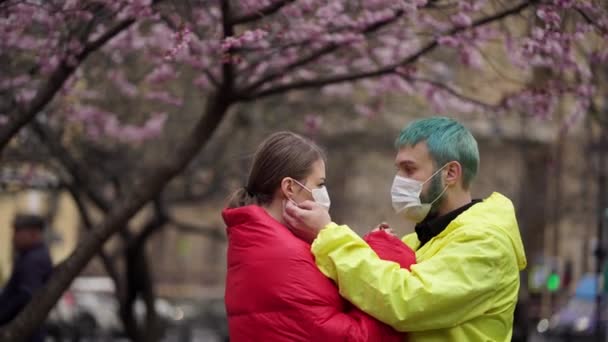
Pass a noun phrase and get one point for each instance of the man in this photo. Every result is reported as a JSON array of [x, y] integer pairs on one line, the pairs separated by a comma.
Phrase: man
[[31, 269], [469, 252]]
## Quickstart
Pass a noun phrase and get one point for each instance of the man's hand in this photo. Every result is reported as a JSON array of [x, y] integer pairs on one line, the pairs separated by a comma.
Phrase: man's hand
[[383, 227], [306, 219]]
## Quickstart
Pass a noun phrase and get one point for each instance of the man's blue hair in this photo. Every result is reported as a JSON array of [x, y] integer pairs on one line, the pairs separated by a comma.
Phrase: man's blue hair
[[447, 140]]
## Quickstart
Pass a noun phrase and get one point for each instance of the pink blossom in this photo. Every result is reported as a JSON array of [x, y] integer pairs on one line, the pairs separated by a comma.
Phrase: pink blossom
[[338, 90], [585, 90], [41, 38], [125, 87], [470, 57], [435, 98], [313, 123], [549, 16], [163, 97], [599, 57], [461, 19], [182, 38], [580, 108], [565, 4], [161, 74], [247, 37], [540, 103], [407, 71], [99, 124], [450, 41], [394, 84], [154, 126], [202, 82], [15, 82], [365, 111], [25, 95], [538, 33]]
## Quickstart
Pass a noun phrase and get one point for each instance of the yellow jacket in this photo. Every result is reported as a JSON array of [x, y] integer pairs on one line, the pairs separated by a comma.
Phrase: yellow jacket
[[463, 288]]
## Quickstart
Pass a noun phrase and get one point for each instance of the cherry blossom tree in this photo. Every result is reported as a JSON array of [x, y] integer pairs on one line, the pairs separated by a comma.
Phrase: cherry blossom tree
[[63, 62]]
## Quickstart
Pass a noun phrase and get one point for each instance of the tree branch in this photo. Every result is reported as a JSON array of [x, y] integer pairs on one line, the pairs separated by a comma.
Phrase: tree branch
[[263, 12], [71, 165], [329, 48], [228, 30], [88, 224], [160, 219], [451, 91], [386, 69], [591, 21]]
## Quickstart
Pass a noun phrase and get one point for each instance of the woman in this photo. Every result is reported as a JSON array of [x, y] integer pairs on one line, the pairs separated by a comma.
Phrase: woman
[[274, 291]]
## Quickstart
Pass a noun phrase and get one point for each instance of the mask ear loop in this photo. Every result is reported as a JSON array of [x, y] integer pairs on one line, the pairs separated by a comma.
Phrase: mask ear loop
[[441, 194], [444, 189], [433, 175], [302, 185]]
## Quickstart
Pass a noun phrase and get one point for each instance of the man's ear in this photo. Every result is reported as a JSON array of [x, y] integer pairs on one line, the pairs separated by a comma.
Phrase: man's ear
[[453, 173]]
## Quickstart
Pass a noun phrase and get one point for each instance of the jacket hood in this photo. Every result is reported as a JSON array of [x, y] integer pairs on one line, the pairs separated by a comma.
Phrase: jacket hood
[[247, 214], [498, 211]]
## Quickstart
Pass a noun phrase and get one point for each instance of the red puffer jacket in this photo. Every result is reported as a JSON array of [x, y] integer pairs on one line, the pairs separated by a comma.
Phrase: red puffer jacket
[[274, 291]]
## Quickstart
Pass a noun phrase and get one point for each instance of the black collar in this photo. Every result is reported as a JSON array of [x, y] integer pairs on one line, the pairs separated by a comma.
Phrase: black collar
[[432, 225]]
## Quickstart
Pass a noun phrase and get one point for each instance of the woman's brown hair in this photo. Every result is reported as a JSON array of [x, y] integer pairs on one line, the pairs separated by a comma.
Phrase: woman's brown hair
[[283, 154]]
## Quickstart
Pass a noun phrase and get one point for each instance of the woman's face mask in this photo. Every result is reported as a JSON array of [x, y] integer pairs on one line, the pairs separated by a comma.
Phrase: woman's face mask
[[320, 195], [405, 195]]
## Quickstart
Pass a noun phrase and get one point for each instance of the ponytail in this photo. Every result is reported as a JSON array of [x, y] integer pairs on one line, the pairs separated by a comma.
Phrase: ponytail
[[241, 198]]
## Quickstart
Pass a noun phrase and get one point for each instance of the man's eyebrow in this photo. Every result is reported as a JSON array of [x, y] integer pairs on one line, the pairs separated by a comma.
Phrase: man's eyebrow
[[405, 163]]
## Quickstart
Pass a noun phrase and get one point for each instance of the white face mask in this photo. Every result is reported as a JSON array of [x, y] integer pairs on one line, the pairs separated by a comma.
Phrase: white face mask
[[405, 193], [320, 195]]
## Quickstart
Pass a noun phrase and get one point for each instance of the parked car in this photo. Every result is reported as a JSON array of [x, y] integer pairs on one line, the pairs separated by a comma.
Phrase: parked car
[[577, 319], [89, 309]]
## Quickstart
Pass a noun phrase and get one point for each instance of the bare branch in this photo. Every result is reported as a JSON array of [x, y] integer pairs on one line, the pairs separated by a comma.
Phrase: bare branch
[[189, 228], [263, 12], [88, 224], [160, 219], [81, 178], [211, 78]]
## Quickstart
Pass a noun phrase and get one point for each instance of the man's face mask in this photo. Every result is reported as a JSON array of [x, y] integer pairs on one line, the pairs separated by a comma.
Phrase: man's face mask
[[320, 195], [405, 193]]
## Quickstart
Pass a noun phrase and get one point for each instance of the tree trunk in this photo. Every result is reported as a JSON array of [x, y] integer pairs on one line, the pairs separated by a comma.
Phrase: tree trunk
[[139, 286], [140, 283]]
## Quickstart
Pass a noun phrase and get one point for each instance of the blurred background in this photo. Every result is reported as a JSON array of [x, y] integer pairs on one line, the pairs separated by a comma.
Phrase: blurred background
[[127, 124]]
